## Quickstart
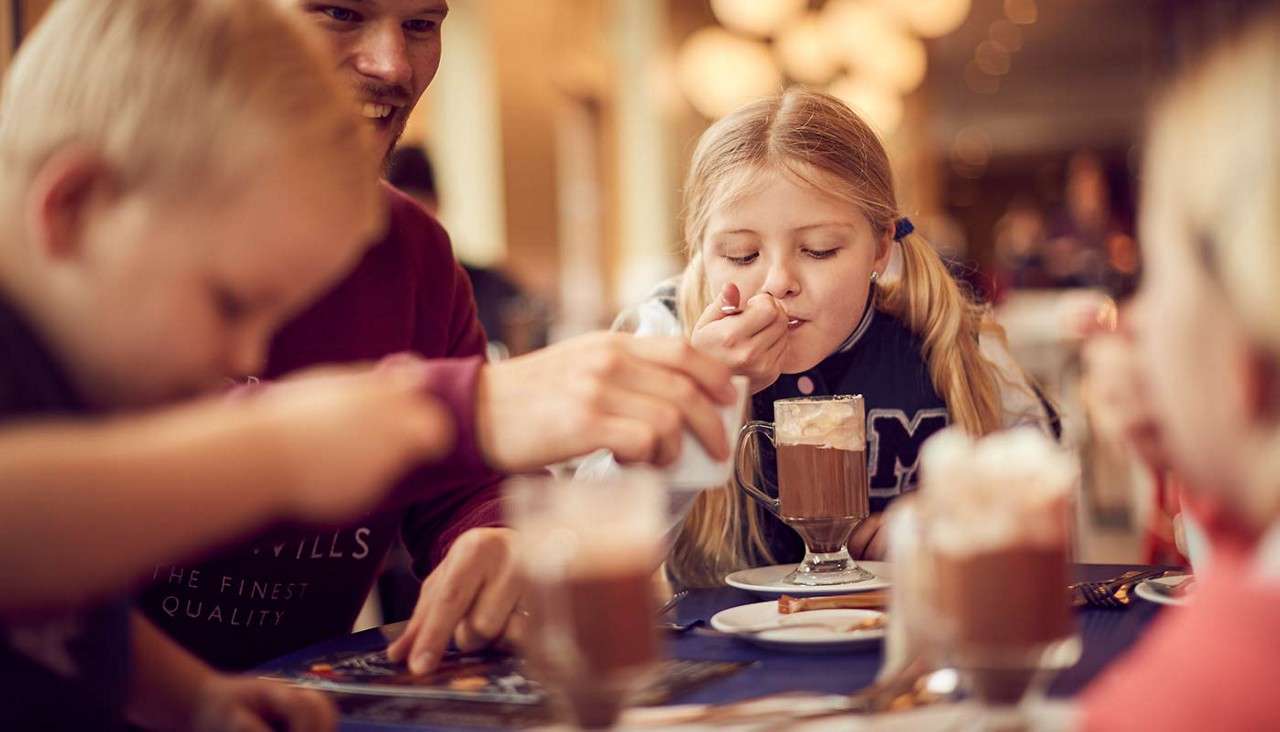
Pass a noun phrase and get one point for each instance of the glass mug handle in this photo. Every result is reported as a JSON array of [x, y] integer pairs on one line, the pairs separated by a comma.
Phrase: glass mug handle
[[749, 430]]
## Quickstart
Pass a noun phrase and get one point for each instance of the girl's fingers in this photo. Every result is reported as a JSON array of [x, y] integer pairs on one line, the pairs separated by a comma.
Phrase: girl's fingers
[[727, 303]]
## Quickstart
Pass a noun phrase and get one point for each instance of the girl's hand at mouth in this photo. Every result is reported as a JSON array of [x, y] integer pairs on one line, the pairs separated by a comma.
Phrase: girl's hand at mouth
[[750, 338]]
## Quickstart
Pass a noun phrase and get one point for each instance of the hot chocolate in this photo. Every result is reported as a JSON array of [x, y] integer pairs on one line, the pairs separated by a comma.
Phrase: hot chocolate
[[589, 551], [608, 618], [1006, 598], [591, 636], [822, 470], [997, 521], [822, 482]]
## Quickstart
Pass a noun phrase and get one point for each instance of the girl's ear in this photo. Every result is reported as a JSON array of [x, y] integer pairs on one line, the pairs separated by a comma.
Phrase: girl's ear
[[59, 197], [884, 252]]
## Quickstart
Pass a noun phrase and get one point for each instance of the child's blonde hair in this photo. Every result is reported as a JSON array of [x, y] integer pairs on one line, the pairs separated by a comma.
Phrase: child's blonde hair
[[817, 139], [179, 95], [1213, 167]]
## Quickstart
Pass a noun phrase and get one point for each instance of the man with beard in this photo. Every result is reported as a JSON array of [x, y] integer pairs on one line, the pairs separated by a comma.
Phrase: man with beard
[[633, 396]]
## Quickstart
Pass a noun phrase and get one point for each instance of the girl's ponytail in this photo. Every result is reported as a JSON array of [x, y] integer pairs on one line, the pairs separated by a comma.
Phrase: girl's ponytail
[[930, 302]]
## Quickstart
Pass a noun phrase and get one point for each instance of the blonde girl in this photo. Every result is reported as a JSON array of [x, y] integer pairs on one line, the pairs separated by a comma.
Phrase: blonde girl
[[791, 223]]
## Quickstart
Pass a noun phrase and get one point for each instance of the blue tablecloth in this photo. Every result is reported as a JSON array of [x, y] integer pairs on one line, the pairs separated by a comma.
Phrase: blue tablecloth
[[1106, 635]]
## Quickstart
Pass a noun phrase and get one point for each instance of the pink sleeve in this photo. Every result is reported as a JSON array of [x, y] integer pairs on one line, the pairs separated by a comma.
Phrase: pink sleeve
[[1209, 665], [460, 493]]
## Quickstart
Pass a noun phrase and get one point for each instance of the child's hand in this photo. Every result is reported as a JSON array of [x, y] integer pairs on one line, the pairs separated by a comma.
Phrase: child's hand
[[1115, 393], [228, 703], [868, 541], [341, 438], [472, 597], [751, 340]]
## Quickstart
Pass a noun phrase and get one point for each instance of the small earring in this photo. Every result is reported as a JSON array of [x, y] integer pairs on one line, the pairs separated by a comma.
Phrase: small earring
[[875, 277]]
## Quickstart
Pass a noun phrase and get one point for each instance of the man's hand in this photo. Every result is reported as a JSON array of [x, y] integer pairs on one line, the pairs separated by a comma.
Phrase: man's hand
[[632, 395], [231, 704], [472, 597], [751, 340]]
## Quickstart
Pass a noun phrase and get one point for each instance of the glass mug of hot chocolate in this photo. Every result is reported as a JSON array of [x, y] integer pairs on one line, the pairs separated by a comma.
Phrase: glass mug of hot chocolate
[[820, 443], [588, 553], [995, 530]]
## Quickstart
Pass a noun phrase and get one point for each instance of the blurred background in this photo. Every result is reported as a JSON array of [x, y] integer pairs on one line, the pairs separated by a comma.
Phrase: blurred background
[[555, 139]]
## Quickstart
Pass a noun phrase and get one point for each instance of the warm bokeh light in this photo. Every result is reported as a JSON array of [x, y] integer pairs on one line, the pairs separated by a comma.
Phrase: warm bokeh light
[[1022, 12], [764, 18], [930, 18], [874, 42], [1007, 34], [900, 60], [992, 58], [719, 71], [971, 152], [979, 81], [880, 107], [804, 53]]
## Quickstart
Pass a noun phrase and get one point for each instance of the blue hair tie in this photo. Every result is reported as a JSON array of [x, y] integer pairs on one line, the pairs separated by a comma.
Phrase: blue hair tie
[[902, 227]]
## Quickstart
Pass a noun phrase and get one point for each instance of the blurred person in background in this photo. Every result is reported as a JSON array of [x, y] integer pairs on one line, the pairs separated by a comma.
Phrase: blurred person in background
[[1208, 336], [1087, 245], [408, 294], [1019, 233], [514, 322]]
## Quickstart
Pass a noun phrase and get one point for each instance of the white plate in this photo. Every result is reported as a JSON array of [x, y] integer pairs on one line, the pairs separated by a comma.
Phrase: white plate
[[806, 639], [1150, 595], [767, 581]]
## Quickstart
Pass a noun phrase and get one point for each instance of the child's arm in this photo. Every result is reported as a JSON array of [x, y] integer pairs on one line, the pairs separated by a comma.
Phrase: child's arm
[[85, 507], [170, 689]]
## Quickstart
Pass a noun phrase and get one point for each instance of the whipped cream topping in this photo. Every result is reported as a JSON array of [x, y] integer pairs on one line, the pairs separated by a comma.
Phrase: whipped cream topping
[[1005, 490], [837, 422], [594, 528]]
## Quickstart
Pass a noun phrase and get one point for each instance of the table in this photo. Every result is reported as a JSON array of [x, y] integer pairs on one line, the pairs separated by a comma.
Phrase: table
[[1106, 634]]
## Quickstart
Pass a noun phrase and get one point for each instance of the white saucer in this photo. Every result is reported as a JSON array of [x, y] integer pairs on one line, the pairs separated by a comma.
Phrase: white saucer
[[767, 581], [1152, 595], [806, 639]]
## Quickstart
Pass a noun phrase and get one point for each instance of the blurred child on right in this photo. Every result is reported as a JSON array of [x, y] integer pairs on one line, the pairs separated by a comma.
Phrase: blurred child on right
[[1209, 339]]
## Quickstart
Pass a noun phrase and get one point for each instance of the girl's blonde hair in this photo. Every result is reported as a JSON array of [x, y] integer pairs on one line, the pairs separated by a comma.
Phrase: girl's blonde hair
[[1213, 169], [817, 139], [179, 95]]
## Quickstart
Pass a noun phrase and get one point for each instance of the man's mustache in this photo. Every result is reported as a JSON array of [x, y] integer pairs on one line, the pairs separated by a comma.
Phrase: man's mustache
[[385, 94]]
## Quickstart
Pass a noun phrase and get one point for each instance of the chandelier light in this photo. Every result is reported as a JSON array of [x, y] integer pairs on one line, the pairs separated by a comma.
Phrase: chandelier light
[[719, 71], [804, 53], [762, 18], [930, 18], [874, 43], [880, 107]]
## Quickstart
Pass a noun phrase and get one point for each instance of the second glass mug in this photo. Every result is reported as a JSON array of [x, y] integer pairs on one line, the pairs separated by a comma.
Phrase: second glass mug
[[822, 481]]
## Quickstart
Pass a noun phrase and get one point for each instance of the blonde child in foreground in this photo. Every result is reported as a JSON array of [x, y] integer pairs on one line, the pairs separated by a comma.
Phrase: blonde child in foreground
[[147, 148], [1209, 342], [791, 222]]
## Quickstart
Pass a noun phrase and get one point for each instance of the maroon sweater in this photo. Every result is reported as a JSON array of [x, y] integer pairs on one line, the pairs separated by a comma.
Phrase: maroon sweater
[[296, 586]]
